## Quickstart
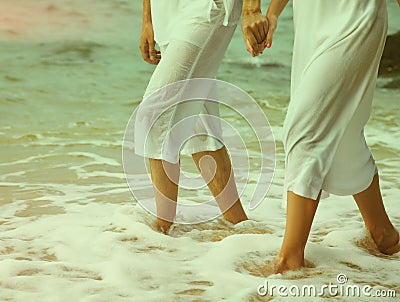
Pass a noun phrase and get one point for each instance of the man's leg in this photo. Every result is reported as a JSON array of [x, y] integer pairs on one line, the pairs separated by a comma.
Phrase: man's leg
[[165, 177], [216, 169]]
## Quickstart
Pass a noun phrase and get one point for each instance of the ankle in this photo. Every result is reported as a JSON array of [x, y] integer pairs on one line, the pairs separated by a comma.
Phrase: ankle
[[235, 214], [283, 263], [386, 239], [291, 254], [381, 231], [236, 219], [291, 257], [163, 226]]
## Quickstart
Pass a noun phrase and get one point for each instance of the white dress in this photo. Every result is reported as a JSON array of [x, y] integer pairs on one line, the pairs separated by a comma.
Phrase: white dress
[[337, 49], [193, 37]]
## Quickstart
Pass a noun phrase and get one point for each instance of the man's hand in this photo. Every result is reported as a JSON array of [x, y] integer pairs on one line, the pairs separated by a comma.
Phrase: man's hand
[[255, 29], [147, 45]]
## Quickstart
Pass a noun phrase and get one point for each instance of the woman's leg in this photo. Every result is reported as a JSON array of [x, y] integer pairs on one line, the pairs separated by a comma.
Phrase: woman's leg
[[371, 206], [165, 177], [216, 169], [299, 217], [376, 219]]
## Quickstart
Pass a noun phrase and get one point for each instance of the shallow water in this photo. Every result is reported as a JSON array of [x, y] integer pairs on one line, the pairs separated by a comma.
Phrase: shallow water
[[69, 228]]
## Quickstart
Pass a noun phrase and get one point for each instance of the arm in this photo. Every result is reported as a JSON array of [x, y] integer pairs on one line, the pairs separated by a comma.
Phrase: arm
[[147, 44], [274, 11], [398, 1], [254, 27]]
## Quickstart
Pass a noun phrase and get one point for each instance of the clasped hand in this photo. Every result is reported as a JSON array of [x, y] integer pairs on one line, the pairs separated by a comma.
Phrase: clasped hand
[[258, 31]]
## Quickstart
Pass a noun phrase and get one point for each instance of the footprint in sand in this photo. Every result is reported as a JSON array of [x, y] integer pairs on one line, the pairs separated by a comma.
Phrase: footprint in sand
[[78, 273], [155, 248], [319, 235], [197, 290], [352, 266], [30, 272], [43, 255], [7, 250]]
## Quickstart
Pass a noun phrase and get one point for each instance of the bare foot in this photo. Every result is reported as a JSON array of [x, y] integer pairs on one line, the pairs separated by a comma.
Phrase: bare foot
[[235, 219], [387, 241], [280, 266], [163, 226], [283, 264], [235, 214]]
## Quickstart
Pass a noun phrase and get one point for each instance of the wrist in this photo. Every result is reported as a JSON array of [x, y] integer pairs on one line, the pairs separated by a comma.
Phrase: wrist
[[251, 11], [251, 8], [272, 16]]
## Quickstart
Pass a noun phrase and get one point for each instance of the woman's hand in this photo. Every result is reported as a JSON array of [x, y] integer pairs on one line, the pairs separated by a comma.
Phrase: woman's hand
[[255, 29], [275, 9], [147, 44], [272, 24]]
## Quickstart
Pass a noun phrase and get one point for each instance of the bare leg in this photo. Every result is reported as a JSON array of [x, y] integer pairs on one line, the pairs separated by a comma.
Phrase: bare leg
[[165, 177], [299, 217], [216, 169], [376, 220]]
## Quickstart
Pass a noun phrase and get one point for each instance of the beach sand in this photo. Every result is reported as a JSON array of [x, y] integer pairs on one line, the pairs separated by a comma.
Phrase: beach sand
[[69, 228]]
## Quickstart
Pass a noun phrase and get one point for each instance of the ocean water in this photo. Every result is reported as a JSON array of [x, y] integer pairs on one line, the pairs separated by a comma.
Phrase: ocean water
[[71, 76]]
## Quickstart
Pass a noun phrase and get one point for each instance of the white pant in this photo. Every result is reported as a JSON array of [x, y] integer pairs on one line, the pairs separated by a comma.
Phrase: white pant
[[181, 60]]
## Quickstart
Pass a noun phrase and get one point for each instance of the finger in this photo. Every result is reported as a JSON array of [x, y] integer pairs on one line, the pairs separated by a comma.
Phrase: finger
[[152, 51], [251, 43], [158, 55], [144, 48], [256, 33], [259, 50], [262, 34], [263, 30], [249, 48], [270, 35]]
